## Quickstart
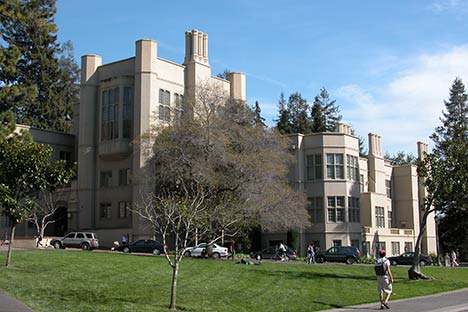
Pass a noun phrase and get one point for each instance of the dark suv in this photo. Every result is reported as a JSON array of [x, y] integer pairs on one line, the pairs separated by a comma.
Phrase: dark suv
[[83, 240], [345, 254]]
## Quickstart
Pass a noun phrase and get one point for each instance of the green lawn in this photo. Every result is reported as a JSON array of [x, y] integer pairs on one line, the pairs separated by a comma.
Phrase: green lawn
[[69, 281]]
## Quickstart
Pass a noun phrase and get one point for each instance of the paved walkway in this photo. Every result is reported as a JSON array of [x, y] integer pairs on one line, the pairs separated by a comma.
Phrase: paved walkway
[[8, 304], [453, 301]]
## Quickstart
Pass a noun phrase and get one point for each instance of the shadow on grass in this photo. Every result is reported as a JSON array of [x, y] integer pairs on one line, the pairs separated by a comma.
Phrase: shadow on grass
[[311, 275]]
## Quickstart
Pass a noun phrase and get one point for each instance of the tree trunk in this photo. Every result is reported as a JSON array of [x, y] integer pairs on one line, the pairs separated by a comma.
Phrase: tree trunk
[[175, 272], [12, 236], [415, 271]]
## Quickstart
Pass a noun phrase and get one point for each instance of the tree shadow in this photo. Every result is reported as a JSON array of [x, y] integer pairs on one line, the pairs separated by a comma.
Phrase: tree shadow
[[311, 275]]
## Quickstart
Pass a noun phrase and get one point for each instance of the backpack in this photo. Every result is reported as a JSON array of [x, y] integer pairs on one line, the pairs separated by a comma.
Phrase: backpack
[[379, 269]]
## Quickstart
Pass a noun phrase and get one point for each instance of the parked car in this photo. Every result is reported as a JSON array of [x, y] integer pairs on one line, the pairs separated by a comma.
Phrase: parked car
[[83, 240], [346, 254], [200, 250], [407, 258], [272, 253], [143, 245]]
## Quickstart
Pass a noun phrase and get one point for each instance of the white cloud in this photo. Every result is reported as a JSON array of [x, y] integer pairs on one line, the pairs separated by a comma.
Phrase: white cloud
[[448, 5], [406, 109]]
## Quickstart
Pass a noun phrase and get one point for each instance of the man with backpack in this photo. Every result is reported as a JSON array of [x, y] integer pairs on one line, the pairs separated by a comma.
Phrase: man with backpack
[[384, 279]]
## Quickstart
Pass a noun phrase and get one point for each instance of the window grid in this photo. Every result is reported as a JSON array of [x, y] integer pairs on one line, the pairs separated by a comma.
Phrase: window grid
[[124, 209], [389, 218], [314, 167], [178, 108], [336, 209], [316, 209], [106, 178], [388, 188], [395, 248], [164, 105], [335, 166], [127, 113], [105, 211], [352, 168], [380, 216], [354, 209]]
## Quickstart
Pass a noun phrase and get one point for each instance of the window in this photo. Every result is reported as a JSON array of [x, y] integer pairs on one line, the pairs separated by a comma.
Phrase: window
[[178, 108], [65, 156], [366, 248], [354, 209], [337, 243], [335, 168], [106, 178], [355, 243], [361, 182], [380, 246], [164, 108], [379, 216], [80, 235], [314, 167], [110, 114], [124, 209], [336, 211], [388, 187], [395, 248], [316, 209], [352, 168], [127, 113], [105, 211], [408, 246], [389, 218], [124, 177]]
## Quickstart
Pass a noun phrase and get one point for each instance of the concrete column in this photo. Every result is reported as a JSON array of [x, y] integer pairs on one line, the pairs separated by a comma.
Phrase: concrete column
[[87, 140], [238, 86]]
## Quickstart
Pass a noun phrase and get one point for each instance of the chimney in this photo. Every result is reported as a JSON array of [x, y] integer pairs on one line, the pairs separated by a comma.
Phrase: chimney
[[196, 47], [375, 145], [422, 150]]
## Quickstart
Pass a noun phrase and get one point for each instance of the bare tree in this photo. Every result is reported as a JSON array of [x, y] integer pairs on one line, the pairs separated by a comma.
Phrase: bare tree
[[43, 212], [215, 174]]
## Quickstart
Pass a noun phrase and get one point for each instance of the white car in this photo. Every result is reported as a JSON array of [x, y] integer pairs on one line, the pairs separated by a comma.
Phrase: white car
[[199, 251]]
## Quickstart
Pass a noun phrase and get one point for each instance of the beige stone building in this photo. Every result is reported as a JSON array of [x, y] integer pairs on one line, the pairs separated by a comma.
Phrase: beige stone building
[[361, 201], [119, 102], [354, 200]]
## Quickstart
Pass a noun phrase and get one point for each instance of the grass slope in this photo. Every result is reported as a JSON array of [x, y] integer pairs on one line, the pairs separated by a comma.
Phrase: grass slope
[[72, 281]]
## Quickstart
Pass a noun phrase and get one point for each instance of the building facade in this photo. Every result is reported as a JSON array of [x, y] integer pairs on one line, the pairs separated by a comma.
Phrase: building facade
[[361, 201], [119, 102]]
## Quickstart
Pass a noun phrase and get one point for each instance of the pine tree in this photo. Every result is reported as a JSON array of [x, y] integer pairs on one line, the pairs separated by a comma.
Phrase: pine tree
[[258, 119], [445, 169], [299, 108], [38, 86], [318, 118], [283, 123], [329, 111]]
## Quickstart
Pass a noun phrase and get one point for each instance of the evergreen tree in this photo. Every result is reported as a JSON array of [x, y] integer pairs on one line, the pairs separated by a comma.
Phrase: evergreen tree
[[283, 123], [318, 118], [329, 111], [35, 83], [445, 170], [299, 109], [258, 119]]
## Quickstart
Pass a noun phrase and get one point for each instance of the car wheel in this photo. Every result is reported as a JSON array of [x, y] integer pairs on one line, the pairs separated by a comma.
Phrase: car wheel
[[126, 250], [258, 257], [216, 255], [393, 262], [85, 247], [187, 254], [156, 252], [57, 245], [422, 263], [349, 260], [319, 259]]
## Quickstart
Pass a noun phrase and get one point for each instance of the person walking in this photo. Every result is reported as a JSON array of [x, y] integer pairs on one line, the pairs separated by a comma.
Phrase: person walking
[[282, 252], [311, 253], [384, 279], [232, 249]]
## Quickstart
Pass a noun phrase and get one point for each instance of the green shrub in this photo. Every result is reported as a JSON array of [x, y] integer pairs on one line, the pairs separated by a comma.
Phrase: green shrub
[[366, 260]]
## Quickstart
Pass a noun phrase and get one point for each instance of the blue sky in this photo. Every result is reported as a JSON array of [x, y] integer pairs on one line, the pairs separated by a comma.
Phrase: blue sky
[[389, 66]]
